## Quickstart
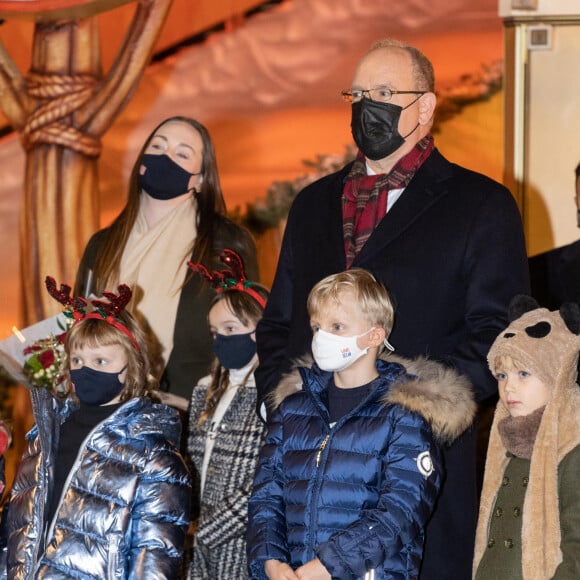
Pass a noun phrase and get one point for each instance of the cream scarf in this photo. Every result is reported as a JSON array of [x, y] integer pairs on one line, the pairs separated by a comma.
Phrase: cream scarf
[[154, 264]]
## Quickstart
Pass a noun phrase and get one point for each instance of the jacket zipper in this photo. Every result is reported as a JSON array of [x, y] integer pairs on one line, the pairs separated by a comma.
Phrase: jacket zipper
[[315, 490], [370, 575], [321, 449], [113, 557], [43, 480], [314, 499]]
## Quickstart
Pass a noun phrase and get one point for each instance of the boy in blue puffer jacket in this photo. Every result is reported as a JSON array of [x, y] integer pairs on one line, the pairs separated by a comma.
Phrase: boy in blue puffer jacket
[[351, 467]]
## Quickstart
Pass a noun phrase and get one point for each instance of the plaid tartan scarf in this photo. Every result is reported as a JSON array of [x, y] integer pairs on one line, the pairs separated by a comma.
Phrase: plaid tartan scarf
[[364, 197]]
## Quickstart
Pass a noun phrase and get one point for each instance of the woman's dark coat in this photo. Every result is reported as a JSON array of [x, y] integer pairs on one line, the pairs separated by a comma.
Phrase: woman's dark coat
[[192, 352]]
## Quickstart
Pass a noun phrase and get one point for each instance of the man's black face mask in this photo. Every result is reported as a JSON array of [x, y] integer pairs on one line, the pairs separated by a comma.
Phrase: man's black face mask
[[375, 129]]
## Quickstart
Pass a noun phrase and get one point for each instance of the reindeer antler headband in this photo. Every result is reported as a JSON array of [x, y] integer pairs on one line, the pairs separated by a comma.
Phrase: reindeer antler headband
[[75, 306], [233, 278]]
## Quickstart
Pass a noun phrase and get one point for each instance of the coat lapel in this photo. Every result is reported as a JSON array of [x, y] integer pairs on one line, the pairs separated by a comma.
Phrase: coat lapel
[[331, 231], [425, 189]]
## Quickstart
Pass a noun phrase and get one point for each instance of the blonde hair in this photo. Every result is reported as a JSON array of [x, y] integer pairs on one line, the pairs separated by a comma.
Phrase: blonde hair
[[95, 332], [371, 296], [505, 363]]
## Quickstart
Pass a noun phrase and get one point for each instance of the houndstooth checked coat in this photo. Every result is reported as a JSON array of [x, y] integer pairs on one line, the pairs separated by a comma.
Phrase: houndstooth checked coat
[[220, 538]]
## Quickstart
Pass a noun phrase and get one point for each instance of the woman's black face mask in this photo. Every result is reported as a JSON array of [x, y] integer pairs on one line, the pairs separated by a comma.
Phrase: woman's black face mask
[[163, 178]]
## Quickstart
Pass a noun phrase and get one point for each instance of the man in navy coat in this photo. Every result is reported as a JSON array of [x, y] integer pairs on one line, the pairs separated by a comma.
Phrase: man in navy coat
[[447, 242]]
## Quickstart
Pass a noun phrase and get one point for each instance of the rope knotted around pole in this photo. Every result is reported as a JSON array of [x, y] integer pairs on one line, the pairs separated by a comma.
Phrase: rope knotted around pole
[[52, 121]]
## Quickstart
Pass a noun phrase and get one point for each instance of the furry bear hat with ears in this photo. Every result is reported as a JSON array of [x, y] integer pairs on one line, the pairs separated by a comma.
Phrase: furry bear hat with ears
[[547, 343]]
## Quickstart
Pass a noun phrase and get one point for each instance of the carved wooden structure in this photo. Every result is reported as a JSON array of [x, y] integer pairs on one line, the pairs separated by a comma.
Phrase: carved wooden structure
[[61, 108]]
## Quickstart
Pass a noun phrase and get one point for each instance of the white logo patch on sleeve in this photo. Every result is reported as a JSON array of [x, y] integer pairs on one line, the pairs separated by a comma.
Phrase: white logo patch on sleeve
[[425, 464]]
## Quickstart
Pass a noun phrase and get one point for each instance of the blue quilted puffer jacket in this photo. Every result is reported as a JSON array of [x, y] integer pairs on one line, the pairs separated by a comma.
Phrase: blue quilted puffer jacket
[[126, 501], [357, 494]]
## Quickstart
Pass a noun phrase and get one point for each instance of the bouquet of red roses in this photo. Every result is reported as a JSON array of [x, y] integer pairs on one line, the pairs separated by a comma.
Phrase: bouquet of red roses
[[43, 365]]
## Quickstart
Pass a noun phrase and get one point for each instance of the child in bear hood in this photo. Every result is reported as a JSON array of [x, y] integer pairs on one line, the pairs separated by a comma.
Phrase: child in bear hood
[[529, 519]]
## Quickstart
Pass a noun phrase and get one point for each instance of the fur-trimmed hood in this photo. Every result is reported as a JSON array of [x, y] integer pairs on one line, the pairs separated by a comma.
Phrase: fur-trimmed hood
[[442, 396]]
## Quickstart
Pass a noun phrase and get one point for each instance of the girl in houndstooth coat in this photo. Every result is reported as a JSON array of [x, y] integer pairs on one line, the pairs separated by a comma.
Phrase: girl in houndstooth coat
[[225, 436]]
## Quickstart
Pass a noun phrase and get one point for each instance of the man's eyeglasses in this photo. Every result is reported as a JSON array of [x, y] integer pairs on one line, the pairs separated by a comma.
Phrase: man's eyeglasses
[[381, 94]]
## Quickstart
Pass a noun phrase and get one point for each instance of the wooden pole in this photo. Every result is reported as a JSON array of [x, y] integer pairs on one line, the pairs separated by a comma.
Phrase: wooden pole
[[60, 204], [62, 109]]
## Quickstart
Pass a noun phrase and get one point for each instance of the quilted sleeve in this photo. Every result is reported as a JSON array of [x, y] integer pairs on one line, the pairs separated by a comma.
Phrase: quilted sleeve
[[160, 516], [266, 539]]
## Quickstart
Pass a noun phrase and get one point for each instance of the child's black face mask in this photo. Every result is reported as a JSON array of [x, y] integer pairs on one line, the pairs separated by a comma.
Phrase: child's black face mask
[[96, 387], [234, 351]]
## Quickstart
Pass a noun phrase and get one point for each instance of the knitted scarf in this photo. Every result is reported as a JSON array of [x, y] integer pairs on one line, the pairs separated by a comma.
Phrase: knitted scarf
[[518, 434], [364, 197]]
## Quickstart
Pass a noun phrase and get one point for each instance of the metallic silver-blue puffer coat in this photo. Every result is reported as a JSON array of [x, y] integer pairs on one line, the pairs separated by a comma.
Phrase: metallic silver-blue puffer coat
[[124, 510]]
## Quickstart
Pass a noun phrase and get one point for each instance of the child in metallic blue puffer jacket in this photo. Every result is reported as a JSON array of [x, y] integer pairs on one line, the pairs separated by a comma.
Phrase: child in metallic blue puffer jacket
[[102, 490], [351, 467]]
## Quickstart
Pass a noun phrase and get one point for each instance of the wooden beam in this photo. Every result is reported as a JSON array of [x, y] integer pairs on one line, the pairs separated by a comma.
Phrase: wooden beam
[[41, 10]]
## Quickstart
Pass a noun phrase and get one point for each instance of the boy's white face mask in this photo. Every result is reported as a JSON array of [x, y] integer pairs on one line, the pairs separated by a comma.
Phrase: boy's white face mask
[[335, 353]]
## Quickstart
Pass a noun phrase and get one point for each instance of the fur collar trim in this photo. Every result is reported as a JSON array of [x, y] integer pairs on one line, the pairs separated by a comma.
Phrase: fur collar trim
[[438, 393]]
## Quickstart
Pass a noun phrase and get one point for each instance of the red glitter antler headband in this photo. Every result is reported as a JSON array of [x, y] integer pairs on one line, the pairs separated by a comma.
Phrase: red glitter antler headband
[[233, 278], [75, 306]]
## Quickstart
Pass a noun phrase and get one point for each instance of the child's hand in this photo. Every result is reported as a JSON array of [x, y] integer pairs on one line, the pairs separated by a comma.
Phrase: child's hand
[[276, 570], [313, 570]]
